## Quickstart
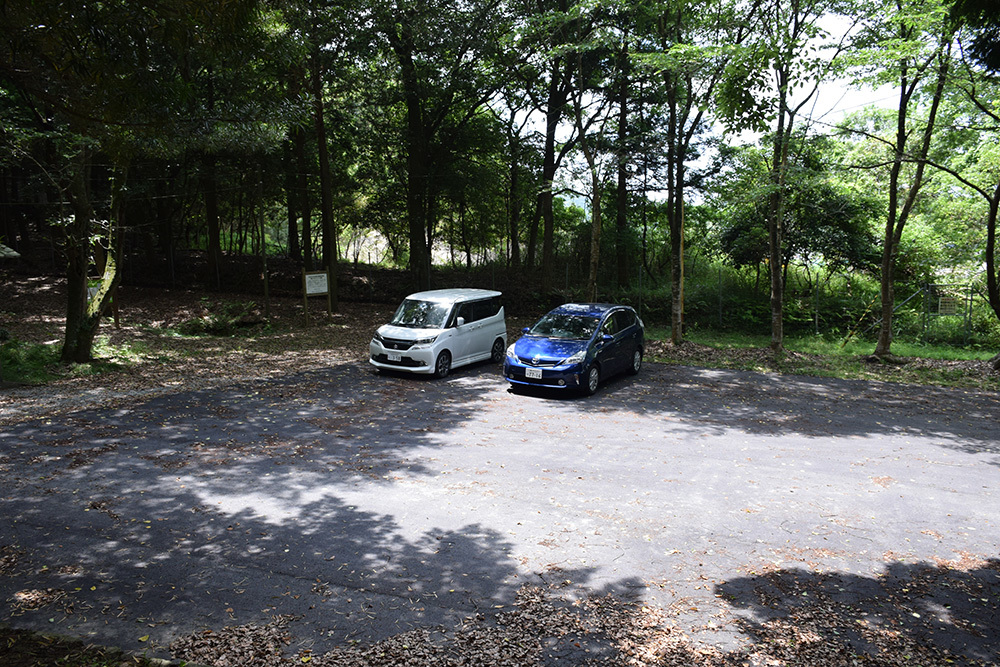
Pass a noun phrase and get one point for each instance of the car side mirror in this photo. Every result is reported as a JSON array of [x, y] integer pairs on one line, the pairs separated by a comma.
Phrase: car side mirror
[[460, 321], [607, 338], [525, 330]]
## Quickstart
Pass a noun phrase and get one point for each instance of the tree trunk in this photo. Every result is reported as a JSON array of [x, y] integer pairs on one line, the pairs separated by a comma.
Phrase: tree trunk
[[210, 181], [83, 314], [897, 218], [326, 184], [992, 286], [417, 150], [621, 202], [553, 113], [776, 214], [675, 209], [595, 238], [304, 200], [514, 205], [292, 205]]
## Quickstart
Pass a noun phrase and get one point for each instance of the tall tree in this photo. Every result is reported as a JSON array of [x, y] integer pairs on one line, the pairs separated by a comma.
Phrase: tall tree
[[122, 78], [980, 29], [592, 112], [446, 53], [975, 163], [691, 49], [909, 44], [770, 82]]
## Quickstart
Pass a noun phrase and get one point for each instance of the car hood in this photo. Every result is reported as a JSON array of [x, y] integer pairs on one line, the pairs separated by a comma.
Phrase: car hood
[[548, 349], [406, 333]]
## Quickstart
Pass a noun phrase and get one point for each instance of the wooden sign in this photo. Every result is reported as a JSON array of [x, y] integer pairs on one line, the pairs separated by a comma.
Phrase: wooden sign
[[315, 283]]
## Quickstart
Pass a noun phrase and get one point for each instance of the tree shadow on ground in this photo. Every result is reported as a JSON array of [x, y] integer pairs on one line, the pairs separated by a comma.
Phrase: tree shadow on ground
[[240, 508], [719, 401], [137, 525], [934, 613]]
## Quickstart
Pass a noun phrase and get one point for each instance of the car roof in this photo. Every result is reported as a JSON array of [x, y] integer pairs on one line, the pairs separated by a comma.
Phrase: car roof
[[454, 295], [593, 309]]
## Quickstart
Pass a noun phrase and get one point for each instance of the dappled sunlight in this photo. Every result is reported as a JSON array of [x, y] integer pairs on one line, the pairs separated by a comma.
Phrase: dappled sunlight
[[364, 508], [936, 612]]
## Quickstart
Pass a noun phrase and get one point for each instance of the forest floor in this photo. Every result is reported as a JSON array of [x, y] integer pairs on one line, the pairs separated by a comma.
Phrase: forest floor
[[145, 356]]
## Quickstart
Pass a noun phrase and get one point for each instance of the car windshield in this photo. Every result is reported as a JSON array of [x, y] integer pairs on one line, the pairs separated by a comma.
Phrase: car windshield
[[565, 325], [421, 314]]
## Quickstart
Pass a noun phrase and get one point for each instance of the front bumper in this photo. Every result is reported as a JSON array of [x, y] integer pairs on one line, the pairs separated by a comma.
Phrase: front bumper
[[414, 360], [568, 376]]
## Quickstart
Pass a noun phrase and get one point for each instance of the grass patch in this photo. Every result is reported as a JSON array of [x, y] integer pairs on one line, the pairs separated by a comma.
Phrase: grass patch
[[916, 363], [39, 363], [28, 363], [109, 358]]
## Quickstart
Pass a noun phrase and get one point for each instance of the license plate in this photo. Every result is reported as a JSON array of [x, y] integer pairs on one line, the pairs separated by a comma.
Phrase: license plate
[[395, 356], [533, 373]]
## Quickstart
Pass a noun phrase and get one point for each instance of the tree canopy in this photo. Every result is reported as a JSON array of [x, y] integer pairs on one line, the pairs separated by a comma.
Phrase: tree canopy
[[413, 133]]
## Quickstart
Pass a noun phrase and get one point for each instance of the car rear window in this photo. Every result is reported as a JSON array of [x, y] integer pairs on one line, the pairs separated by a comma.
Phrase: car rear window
[[486, 308], [473, 311], [624, 319]]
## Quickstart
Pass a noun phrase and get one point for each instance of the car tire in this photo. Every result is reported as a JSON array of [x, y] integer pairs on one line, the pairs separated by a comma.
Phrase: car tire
[[593, 380], [443, 364], [636, 361], [496, 354]]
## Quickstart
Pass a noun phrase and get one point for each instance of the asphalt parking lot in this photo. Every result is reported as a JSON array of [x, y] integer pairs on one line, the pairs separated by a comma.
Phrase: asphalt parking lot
[[366, 505]]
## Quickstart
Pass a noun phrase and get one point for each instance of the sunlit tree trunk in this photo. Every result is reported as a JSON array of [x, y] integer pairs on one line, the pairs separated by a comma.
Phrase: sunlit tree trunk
[[83, 314], [898, 216]]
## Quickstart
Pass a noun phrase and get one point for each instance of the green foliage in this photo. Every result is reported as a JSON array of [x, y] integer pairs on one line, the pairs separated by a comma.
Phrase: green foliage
[[27, 363], [835, 307], [828, 222], [160, 85], [982, 20]]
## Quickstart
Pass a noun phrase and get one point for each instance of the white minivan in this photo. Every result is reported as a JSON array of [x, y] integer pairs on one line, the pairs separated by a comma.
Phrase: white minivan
[[435, 331]]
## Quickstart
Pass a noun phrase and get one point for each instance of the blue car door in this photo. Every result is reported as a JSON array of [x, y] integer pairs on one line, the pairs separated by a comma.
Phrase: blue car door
[[630, 335], [609, 351]]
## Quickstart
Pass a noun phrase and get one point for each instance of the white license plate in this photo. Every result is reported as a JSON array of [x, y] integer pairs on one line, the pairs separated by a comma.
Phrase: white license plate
[[395, 356], [533, 373]]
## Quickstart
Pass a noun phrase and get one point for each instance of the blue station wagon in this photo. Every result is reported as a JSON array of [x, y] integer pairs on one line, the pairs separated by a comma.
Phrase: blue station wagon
[[576, 346]]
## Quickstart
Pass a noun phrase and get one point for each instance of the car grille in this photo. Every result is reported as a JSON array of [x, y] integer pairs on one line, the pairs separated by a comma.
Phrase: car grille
[[396, 344], [540, 363]]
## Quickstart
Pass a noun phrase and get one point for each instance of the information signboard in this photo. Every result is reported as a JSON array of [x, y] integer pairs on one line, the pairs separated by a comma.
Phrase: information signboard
[[315, 283]]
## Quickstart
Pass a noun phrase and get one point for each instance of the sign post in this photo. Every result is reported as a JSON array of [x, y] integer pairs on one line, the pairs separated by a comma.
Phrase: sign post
[[315, 283]]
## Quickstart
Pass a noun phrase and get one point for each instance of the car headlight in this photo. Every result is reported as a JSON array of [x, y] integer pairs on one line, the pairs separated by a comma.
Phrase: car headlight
[[424, 342], [576, 357], [510, 352]]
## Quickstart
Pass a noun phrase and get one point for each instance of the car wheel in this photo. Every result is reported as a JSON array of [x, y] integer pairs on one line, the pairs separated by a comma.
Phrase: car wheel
[[593, 380], [636, 361], [496, 354], [443, 365]]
